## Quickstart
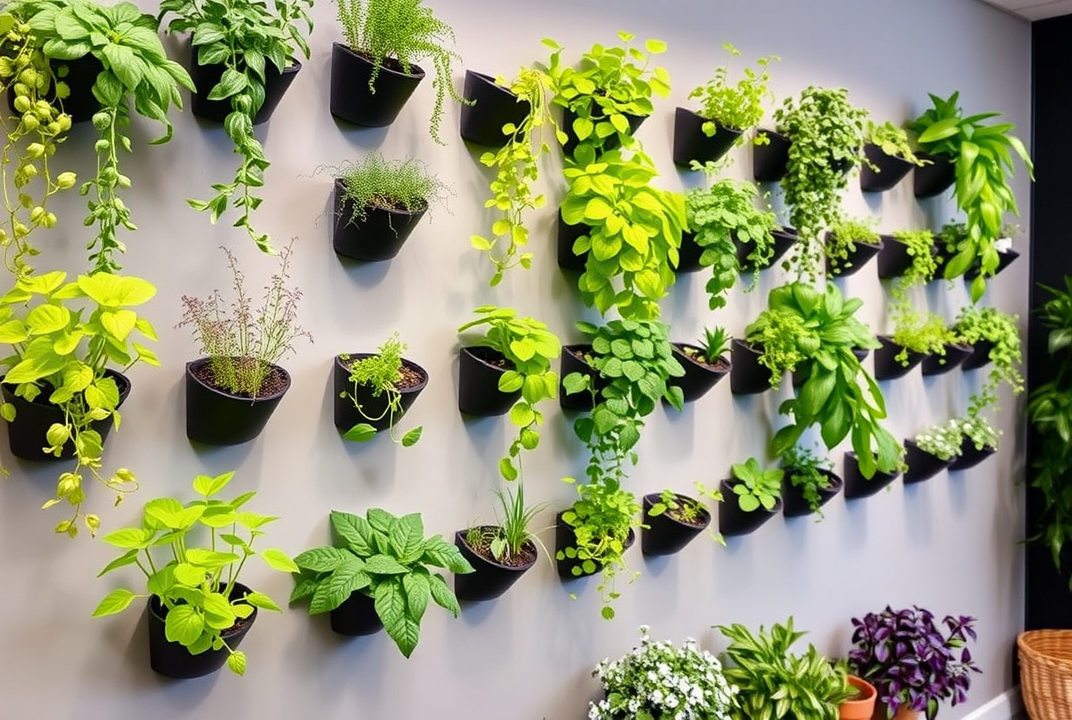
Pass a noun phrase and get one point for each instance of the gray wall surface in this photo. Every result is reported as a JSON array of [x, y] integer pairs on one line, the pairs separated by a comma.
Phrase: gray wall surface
[[949, 544]]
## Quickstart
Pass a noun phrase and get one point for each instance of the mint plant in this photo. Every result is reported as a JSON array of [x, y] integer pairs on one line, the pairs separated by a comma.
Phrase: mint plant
[[756, 487]]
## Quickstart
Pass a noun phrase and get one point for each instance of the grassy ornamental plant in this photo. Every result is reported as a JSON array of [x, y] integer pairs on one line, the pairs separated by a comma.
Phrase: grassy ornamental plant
[[243, 37], [510, 540], [243, 343], [389, 184], [844, 233], [63, 336], [383, 373], [721, 216], [386, 558], [397, 34], [135, 73], [658, 681], [736, 106], [911, 662], [805, 470], [196, 586], [756, 487], [983, 154], [974, 325]]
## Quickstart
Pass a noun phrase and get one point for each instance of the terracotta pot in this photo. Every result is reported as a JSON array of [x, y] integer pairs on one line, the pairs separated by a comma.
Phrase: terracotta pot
[[863, 708], [902, 713]]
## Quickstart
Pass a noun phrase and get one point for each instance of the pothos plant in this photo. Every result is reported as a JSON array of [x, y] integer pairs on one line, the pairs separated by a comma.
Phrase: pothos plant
[[61, 353], [135, 72], [736, 106], [243, 37], [517, 167]]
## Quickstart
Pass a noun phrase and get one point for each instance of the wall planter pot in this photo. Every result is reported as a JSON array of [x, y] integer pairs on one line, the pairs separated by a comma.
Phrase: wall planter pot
[[699, 377], [858, 257], [769, 161], [356, 616], [689, 254], [346, 415], [934, 178], [564, 538], [666, 535], [863, 706], [784, 238], [955, 354], [206, 77], [732, 520], [568, 116], [479, 370], [979, 357], [567, 235], [903, 713], [216, 417], [494, 106], [857, 486], [970, 456], [173, 660], [489, 578], [81, 75], [573, 361], [921, 464], [1005, 259], [26, 435], [891, 170], [893, 259], [793, 502], [747, 376], [887, 367], [378, 237], [690, 142], [351, 99]]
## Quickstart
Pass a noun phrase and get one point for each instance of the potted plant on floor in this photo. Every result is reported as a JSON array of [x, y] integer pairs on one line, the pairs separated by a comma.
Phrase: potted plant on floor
[[726, 111], [774, 682], [888, 156], [704, 364], [660, 682], [244, 63], [373, 392], [912, 663], [375, 71], [672, 520], [234, 387], [810, 482], [198, 610], [379, 571], [849, 244], [982, 156], [60, 395], [378, 203]]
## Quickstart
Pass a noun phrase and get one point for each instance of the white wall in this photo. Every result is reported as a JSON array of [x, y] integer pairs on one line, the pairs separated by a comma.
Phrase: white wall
[[949, 544]]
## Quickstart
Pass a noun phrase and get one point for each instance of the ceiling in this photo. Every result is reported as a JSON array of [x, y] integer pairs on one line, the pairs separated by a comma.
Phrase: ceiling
[[1034, 9]]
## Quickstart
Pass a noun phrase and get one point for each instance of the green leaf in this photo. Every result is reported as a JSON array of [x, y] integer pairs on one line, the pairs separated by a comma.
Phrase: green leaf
[[130, 538], [385, 565], [45, 319], [278, 560], [114, 602], [412, 437], [236, 662], [262, 601], [183, 625], [418, 591], [231, 83], [337, 588], [322, 559], [362, 432], [390, 603]]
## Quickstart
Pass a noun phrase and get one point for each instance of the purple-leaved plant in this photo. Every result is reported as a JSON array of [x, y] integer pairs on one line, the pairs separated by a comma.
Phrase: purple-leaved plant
[[904, 654]]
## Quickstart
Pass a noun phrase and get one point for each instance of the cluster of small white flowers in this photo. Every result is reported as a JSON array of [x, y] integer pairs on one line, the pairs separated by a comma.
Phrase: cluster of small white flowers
[[656, 681]]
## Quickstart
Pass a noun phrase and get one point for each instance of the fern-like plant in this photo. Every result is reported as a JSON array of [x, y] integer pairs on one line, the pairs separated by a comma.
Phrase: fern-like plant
[[391, 184]]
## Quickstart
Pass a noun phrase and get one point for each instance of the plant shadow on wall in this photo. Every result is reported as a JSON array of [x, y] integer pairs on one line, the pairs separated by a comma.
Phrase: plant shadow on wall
[[250, 45]]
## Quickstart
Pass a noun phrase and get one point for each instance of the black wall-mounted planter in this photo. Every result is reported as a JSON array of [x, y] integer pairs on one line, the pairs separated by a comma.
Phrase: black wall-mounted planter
[[979, 356], [565, 538], [489, 579], [699, 377], [934, 364], [934, 178], [970, 456], [567, 235], [784, 238], [206, 77], [891, 170], [857, 486], [346, 415], [793, 502], [26, 434], [573, 361], [495, 106], [378, 237], [747, 376], [893, 258], [356, 616], [354, 102], [859, 256], [610, 143], [479, 370], [769, 161], [173, 660], [82, 73], [733, 521], [887, 367], [665, 535], [921, 464], [689, 254], [215, 417], [690, 142]]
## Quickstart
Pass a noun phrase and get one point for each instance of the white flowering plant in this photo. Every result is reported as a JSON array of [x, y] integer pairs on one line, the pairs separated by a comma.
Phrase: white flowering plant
[[942, 441], [658, 681]]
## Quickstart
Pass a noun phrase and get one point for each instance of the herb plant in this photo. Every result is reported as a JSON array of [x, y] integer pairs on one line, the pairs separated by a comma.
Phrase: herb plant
[[975, 324], [196, 585], [942, 441], [756, 487], [894, 141], [382, 373], [243, 37], [508, 540], [737, 106], [978, 431], [806, 471], [243, 344], [682, 507], [387, 558], [842, 238], [390, 184], [910, 661], [920, 246], [919, 332]]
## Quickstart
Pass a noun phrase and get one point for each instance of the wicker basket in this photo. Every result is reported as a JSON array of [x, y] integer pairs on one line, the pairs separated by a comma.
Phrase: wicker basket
[[1046, 673]]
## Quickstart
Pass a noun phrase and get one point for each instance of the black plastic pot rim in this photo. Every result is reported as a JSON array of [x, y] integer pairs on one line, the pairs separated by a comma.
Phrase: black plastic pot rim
[[384, 69], [211, 388]]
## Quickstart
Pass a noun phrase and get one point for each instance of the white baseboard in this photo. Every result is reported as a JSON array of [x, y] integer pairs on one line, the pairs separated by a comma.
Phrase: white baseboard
[[1004, 707]]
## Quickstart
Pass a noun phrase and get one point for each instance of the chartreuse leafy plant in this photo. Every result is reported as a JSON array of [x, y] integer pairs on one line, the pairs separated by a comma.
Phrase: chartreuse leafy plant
[[32, 134], [136, 72], [609, 84], [63, 336], [756, 487], [894, 142], [529, 348], [978, 324], [382, 373], [983, 154], [517, 166], [920, 246], [844, 233], [386, 558], [736, 106], [243, 37], [774, 683], [721, 216], [196, 585], [634, 232]]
